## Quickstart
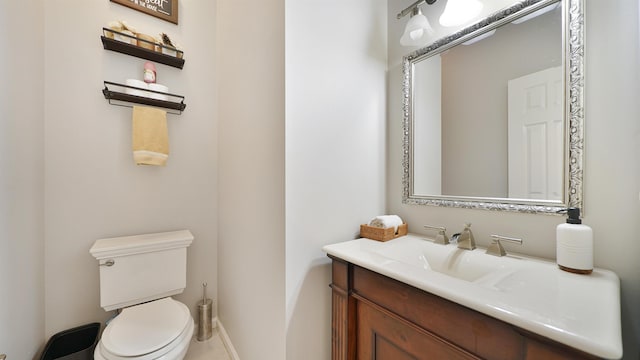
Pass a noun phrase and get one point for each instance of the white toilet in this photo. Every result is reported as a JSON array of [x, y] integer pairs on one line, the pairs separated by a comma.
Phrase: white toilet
[[138, 274]]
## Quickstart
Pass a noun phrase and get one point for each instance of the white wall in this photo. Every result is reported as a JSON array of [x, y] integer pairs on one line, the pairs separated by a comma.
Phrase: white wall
[[21, 178], [335, 150], [251, 254], [612, 170], [92, 187]]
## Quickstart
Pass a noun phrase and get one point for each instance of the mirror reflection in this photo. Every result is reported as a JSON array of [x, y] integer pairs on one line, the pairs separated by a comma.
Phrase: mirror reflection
[[488, 114], [487, 119]]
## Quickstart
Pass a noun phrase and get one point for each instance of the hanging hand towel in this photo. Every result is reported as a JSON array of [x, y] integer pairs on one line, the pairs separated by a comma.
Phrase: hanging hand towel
[[150, 136]]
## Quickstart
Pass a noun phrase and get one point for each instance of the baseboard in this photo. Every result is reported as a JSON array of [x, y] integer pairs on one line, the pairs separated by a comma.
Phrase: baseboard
[[226, 341]]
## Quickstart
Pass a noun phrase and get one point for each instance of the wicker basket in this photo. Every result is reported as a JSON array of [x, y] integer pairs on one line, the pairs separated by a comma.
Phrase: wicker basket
[[382, 234]]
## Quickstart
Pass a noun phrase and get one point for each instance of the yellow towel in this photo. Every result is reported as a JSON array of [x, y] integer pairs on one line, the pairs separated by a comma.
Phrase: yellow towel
[[150, 136]]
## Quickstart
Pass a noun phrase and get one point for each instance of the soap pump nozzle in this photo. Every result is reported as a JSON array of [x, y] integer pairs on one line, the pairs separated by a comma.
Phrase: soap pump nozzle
[[573, 215]]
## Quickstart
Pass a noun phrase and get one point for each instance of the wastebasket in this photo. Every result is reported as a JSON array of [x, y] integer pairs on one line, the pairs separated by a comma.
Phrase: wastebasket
[[73, 344]]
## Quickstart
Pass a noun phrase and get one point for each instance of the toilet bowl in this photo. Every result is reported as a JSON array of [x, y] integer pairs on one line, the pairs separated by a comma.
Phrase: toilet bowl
[[157, 330], [138, 275]]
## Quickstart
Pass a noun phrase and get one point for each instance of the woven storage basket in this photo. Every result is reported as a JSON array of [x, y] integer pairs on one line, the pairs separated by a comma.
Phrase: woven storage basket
[[382, 234]]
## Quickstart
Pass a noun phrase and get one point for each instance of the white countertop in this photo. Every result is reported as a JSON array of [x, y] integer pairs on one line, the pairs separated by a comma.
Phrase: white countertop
[[581, 311]]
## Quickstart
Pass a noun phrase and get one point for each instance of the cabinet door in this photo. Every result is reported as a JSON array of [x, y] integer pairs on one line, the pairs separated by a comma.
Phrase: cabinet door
[[383, 336]]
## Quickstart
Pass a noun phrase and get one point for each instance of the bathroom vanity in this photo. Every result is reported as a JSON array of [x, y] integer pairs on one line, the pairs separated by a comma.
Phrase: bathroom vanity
[[411, 299]]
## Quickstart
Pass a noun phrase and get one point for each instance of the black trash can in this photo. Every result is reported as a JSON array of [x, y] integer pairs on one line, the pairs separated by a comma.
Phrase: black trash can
[[73, 344]]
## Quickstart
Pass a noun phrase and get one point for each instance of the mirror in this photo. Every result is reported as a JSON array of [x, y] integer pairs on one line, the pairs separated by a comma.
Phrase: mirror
[[494, 114]]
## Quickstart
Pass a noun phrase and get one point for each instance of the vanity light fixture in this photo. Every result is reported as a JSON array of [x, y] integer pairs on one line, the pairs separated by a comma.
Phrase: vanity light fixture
[[480, 37], [418, 27], [536, 13], [458, 12]]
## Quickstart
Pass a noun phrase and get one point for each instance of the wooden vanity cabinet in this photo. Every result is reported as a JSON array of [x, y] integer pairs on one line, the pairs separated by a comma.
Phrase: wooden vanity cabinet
[[376, 317]]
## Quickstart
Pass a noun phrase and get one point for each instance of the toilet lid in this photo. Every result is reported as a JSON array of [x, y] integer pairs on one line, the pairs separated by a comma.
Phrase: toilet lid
[[145, 328]]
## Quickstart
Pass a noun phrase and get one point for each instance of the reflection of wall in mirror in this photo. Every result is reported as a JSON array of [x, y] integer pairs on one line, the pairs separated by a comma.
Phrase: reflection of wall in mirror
[[474, 130], [427, 127]]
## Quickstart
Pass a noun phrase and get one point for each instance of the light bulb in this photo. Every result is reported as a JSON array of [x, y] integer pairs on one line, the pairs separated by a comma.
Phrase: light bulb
[[458, 12]]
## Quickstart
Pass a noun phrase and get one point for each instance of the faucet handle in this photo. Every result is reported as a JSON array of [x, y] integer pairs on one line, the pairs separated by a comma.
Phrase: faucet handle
[[467, 228], [496, 247], [441, 238]]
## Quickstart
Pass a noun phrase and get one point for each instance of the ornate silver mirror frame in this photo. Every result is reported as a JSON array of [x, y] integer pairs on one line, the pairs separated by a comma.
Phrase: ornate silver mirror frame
[[573, 62]]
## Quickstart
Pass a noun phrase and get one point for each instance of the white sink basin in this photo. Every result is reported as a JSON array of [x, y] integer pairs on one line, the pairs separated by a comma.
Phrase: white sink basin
[[449, 260], [582, 311]]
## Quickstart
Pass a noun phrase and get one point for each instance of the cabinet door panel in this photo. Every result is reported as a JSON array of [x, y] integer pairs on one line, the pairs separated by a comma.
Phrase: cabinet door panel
[[468, 329], [382, 336], [539, 348]]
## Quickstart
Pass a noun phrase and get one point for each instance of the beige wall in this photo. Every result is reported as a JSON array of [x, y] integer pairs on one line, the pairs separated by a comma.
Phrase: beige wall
[[21, 178], [335, 151], [92, 187], [612, 170], [251, 95]]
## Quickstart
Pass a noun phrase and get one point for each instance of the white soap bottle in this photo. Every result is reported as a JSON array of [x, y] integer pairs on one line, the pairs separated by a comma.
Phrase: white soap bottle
[[574, 252]]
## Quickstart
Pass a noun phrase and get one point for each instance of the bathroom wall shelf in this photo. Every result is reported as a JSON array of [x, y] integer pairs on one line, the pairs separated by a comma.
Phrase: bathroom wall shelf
[[125, 95], [126, 48]]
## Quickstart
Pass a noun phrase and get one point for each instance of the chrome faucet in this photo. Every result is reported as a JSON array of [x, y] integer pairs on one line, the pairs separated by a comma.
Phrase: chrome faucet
[[465, 238]]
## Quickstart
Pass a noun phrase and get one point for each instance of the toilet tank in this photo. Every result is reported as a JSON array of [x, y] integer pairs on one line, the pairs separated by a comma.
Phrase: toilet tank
[[140, 268]]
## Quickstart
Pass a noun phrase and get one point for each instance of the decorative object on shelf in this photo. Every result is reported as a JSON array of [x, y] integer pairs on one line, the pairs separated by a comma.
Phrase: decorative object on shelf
[[133, 86], [144, 94], [159, 91], [146, 41], [121, 32], [154, 50], [149, 74], [168, 47], [137, 87], [164, 9]]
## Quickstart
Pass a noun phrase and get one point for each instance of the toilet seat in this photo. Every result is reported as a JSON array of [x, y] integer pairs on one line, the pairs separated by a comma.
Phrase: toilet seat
[[154, 330]]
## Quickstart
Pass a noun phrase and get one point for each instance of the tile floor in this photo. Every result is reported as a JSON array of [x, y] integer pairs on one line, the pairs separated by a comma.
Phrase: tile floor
[[212, 349]]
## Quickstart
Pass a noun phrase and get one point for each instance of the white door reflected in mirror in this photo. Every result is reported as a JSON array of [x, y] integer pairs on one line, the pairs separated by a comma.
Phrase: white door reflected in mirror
[[535, 135]]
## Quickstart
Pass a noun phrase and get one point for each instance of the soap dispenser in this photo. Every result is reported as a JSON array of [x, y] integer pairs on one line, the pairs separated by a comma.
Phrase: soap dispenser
[[574, 252]]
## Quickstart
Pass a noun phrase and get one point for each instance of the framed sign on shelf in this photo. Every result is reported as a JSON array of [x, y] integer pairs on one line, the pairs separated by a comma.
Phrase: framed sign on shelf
[[163, 9]]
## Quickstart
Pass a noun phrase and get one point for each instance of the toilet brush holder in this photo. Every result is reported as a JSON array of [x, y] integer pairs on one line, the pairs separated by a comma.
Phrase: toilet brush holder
[[204, 319]]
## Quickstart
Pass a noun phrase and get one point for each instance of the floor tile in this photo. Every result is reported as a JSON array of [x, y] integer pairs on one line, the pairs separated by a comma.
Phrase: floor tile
[[212, 349]]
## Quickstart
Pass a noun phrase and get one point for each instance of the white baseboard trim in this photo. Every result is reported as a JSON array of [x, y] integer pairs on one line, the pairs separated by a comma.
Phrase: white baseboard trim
[[227, 341]]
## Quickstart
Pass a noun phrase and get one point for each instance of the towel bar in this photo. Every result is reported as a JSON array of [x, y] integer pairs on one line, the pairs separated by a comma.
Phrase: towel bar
[[121, 98]]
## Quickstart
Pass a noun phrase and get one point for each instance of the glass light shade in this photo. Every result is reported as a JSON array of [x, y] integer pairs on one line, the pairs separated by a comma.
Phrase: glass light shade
[[416, 31], [536, 13], [458, 12], [480, 37]]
